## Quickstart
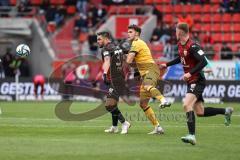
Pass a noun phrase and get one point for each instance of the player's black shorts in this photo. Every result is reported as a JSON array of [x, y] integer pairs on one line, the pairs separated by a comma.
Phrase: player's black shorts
[[112, 93], [197, 89]]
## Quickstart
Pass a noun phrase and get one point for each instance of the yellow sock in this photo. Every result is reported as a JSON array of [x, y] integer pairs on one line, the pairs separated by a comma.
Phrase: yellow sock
[[151, 116], [156, 93]]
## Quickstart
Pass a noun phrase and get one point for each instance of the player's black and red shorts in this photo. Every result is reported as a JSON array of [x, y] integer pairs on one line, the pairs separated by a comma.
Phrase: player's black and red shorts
[[197, 89]]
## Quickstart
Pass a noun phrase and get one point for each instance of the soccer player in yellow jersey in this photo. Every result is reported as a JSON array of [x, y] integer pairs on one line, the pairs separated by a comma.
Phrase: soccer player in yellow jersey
[[149, 72]]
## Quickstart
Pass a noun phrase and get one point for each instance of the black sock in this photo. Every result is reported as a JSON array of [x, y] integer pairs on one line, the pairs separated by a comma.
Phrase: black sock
[[116, 112], [116, 115], [191, 122], [210, 111]]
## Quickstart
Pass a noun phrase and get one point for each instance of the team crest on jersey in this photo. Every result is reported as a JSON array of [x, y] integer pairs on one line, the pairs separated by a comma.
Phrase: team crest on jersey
[[185, 52]]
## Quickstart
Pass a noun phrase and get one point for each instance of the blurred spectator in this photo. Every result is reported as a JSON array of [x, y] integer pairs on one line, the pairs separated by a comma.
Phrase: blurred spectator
[[167, 33], [157, 33], [60, 15], [100, 13], [6, 61], [209, 50], [174, 2], [226, 52], [223, 6], [71, 2], [92, 12], [39, 81], [50, 13], [156, 12], [2, 72], [140, 10], [92, 41], [185, 1], [162, 33], [232, 6], [82, 6], [167, 50], [207, 39], [23, 7], [195, 37], [44, 5], [80, 25], [187, 19], [4, 3]]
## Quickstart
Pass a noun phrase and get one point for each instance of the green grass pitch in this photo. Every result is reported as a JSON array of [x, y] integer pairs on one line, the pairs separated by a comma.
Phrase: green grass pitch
[[31, 131]]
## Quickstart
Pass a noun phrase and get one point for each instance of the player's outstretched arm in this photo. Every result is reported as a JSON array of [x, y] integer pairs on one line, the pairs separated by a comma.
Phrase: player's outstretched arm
[[173, 62]]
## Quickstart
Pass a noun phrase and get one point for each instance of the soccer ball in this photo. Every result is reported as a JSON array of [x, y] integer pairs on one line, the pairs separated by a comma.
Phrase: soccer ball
[[23, 50]]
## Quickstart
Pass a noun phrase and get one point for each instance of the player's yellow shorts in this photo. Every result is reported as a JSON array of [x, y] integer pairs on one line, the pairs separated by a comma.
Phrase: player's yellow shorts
[[150, 78]]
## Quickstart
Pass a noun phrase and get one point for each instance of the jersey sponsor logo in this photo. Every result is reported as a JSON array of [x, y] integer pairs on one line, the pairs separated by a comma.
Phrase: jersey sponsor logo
[[118, 51], [200, 52]]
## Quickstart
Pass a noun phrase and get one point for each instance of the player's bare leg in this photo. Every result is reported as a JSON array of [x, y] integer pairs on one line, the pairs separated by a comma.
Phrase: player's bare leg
[[151, 116], [111, 106], [188, 104], [202, 111]]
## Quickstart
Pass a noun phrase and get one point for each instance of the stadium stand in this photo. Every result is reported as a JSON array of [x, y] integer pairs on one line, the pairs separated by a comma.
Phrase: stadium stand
[[58, 16]]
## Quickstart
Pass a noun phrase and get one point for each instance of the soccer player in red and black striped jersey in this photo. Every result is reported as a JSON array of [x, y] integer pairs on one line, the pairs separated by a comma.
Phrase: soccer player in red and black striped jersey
[[192, 57], [113, 77]]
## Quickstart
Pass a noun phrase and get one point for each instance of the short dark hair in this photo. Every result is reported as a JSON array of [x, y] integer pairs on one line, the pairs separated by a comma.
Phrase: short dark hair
[[104, 34], [136, 28], [183, 26]]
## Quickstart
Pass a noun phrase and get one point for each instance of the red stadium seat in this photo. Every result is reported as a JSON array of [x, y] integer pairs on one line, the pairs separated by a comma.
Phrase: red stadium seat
[[217, 37], [157, 47], [216, 28], [71, 10], [227, 37], [13, 2], [168, 18], [148, 1], [197, 18], [131, 10], [215, 8], [226, 18], [206, 27], [57, 2], [206, 18], [235, 47], [236, 37], [236, 28], [196, 8], [177, 8], [167, 9], [113, 10], [216, 18], [197, 27], [122, 10], [206, 8], [226, 27], [187, 8], [216, 1], [236, 18], [36, 2]]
